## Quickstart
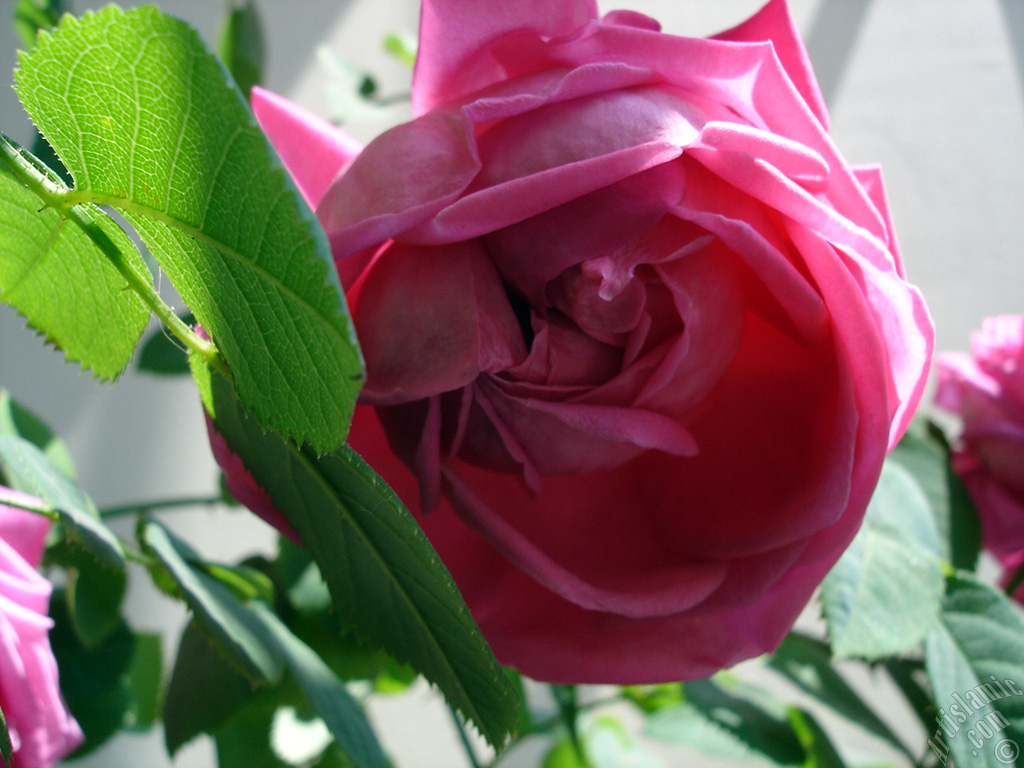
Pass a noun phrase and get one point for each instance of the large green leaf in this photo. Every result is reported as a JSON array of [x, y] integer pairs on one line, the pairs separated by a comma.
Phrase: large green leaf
[[58, 277], [385, 579], [147, 122], [974, 655], [897, 544]]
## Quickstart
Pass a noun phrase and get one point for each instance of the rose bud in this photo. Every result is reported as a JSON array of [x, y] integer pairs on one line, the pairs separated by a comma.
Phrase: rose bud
[[638, 339]]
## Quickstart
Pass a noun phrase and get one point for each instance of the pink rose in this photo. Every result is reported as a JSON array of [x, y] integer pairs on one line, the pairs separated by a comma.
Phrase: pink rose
[[986, 389], [638, 338], [41, 728]]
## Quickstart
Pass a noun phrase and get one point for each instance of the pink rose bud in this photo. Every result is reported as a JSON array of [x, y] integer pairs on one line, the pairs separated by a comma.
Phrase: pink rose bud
[[986, 389], [638, 338], [41, 728]]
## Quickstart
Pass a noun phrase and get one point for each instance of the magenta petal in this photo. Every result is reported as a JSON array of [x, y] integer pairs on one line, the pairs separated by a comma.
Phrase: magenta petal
[[431, 320], [403, 178], [452, 31], [774, 23], [313, 150]]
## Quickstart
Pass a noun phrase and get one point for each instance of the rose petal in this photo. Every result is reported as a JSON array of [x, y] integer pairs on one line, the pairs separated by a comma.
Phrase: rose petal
[[313, 150]]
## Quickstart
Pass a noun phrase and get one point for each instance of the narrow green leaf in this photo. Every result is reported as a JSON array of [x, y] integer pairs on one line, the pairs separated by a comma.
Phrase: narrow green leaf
[[53, 273], [897, 544], [808, 664], [974, 655], [402, 47], [219, 612], [372, 553], [340, 712], [143, 116], [240, 44], [6, 749], [94, 681], [164, 355], [204, 692], [728, 725], [28, 470]]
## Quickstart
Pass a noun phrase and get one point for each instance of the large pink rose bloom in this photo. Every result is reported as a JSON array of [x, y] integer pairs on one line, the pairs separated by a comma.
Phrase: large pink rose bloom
[[41, 728], [986, 389], [638, 338]]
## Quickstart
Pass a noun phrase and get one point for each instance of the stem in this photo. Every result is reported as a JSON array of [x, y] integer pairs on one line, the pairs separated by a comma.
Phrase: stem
[[568, 708], [465, 739], [153, 506], [54, 195]]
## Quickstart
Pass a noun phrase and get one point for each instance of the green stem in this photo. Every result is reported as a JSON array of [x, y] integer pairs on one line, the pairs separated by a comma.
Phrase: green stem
[[154, 506], [568, 708], [40, 182], [466, 745]]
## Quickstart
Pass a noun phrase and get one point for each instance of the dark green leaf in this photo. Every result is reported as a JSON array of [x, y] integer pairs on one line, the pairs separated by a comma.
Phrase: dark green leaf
[[6, 749], [244, 740], [204, 690], [897, 544], [240, 44], [372, 553], [144, 683], [911, 679], [821, 753], [217, 610], [808, 664], [16, 421], [729, 724], [340, 712], [142, 115], [94, 681], [164, 355], [58, 277], [974, 656]]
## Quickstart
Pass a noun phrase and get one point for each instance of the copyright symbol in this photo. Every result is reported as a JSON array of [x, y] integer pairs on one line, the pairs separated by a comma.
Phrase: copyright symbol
[[1007, 751]]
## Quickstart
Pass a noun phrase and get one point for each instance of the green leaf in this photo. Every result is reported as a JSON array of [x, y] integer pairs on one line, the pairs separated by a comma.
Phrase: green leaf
[[94, 681], [6, 749], [163, 355], [17, 421], [144, 118], [340, 712], [402, 47], [218, 611], [240, 44], [974, 655], [144, 683], [58, 277], [729, 724], [244, 740], [204, 692], [372, 553], [956, 519], [897, 544], [93, 555], [34, 16], [821, 753], [808, 664]]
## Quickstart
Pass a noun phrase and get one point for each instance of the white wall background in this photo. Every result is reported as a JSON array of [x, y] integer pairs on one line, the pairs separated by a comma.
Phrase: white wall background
[[932, 89]]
